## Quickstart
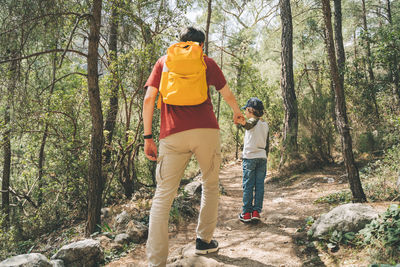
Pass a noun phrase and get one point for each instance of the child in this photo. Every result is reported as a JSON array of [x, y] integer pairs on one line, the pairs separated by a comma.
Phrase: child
[[255, 152]]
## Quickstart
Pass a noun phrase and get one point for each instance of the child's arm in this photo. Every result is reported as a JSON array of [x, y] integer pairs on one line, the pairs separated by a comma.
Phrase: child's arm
[[250, 123]]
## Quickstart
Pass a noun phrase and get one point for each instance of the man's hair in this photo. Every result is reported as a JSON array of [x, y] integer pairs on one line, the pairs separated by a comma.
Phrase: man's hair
[[192, 34]]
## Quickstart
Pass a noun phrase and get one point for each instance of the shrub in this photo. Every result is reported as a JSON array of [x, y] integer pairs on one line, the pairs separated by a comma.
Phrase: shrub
[[383, 234]]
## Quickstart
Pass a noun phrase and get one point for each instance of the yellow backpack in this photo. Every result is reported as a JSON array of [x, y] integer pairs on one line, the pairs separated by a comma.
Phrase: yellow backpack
[[183, 79]]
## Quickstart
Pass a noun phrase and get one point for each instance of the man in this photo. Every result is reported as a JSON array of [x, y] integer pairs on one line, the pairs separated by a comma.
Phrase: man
[[184, 130]]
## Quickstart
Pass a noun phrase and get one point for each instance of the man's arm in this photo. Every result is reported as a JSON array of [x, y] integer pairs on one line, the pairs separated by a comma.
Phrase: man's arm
[[231, 100], [150, 148]]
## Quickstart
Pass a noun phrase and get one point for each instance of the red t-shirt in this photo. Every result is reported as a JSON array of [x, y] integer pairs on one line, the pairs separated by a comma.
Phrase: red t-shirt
[[176, 119]]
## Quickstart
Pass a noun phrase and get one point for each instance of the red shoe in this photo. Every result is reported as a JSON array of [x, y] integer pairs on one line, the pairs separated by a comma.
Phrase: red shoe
[[255, 216], [245, 217]]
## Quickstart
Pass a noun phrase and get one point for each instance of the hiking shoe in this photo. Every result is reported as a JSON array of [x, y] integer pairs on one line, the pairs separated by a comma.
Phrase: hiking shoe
[[205, 248], [255, 216], [245, 217]]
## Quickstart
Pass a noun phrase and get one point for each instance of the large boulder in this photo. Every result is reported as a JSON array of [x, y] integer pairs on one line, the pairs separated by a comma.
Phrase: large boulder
[[85, 253], [27, 260], [345, 218]]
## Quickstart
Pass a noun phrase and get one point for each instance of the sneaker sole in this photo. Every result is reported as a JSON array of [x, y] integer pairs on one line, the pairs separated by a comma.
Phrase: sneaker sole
[[206, 251], [244, 220], [255, 219]]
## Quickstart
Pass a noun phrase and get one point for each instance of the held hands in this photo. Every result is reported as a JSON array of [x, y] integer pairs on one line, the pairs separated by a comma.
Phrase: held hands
[[238, 118], [150, 149]]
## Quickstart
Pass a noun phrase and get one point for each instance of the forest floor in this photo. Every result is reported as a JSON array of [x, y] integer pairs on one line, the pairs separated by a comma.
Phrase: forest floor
[[279, 239]]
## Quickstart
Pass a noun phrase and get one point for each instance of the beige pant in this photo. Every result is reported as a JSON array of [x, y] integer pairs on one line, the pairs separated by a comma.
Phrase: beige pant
[[175, 152]]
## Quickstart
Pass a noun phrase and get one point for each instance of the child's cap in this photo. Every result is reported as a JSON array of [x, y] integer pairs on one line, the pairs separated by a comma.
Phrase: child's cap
[[255, 103]]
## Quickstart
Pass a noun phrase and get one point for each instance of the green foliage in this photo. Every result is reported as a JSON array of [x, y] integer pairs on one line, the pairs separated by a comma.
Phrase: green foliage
[[105, 228], [380, 177], [366, 142], [341, 197], [383, 234], [114, 254]]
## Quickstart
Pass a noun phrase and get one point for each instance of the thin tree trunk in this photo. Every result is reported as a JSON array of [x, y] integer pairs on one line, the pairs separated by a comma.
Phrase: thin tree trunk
[[372, 91], [221, 66], [44, 139], [287, 82], [113, 108], [209, 10], [394, 69], [342, 121], [341, 57], [95, 179], [238, 86], [5, 185]]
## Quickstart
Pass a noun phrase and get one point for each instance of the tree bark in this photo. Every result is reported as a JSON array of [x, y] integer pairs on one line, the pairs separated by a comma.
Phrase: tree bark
[[341, 56], [95, 179], [239, 70], [371, 85], [209, 10], [44, 138], [394, 69], [340, 104], [113, 107], [287, 82]]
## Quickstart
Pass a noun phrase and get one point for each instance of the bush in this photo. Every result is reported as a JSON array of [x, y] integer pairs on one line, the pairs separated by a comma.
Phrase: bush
[[366, 142], [380, 177], [383, 235]]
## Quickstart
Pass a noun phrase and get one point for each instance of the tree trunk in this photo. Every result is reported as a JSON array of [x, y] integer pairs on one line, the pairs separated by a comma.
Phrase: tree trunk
[[209, 10], [394, 69], [221, 66], [239, 70], [95, 179], [113, 108], [340, 103], [44, 138], [341, 57], [287, 82], [371, 94], [5, 185]]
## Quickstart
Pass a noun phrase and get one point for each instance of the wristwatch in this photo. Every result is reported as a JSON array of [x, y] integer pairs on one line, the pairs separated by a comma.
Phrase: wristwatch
[[149, 136]]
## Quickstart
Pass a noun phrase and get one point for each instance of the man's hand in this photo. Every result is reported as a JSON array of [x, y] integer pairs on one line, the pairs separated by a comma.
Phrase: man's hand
[[150, 149], [238, 118]]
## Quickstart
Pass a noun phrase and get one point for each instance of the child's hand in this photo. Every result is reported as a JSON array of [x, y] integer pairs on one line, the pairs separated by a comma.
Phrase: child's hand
[[242, 121]]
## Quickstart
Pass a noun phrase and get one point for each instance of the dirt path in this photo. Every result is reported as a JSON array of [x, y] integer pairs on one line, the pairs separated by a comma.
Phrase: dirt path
[[271, 242]]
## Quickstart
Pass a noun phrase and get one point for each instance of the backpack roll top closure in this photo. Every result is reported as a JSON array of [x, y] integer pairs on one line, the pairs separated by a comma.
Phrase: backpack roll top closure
[[183, 81]]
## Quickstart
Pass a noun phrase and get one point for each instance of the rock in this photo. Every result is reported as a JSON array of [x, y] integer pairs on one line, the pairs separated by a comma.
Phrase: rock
[[345, 218], [82, 253], [57, 263], [105, 212], [116, 246], [398, 182], [136, 231], [104, 240], [123, 218], [193, 188], [122, 238], [27, 260]]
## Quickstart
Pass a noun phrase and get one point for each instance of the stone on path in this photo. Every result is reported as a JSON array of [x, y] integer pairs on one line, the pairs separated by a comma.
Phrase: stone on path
[[137, 231], [82, 253], [122, 238], [27, 260], [350, 217], [193, 188]]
